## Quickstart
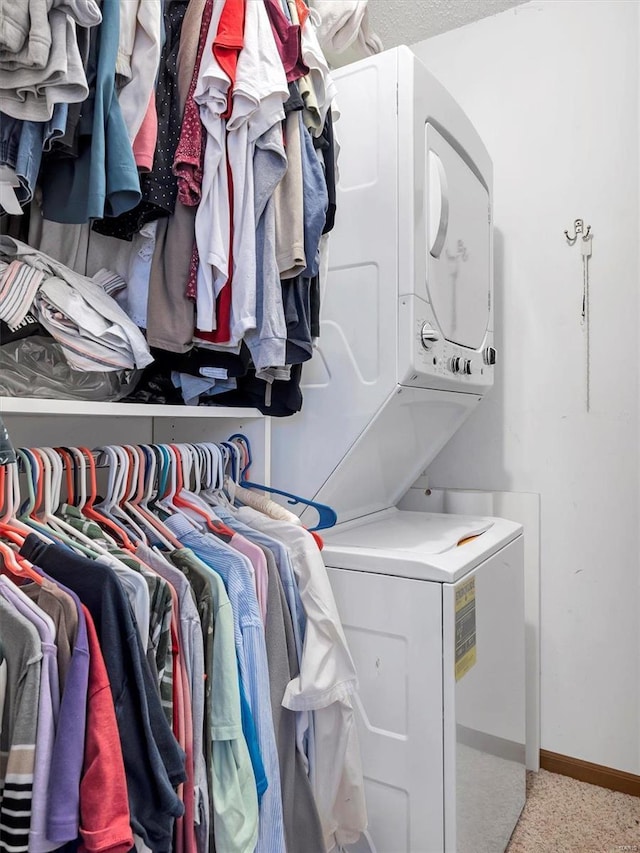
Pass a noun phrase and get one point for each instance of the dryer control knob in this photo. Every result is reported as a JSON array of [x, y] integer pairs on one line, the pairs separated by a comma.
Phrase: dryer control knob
[[455, 364], [429, 336], [489, 355], [467, 367]]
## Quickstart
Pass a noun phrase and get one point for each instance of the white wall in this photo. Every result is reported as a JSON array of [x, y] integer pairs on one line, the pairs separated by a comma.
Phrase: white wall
[[552, 87]]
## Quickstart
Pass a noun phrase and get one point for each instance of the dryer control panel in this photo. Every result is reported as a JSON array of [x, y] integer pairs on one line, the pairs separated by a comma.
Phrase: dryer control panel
[[429, 360]]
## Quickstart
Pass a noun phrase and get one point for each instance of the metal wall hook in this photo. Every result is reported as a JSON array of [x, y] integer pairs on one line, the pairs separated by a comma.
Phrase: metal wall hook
[[578, 230], [578, 227]]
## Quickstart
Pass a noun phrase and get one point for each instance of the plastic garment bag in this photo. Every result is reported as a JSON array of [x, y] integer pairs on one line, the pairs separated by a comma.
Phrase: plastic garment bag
[[7, 453]]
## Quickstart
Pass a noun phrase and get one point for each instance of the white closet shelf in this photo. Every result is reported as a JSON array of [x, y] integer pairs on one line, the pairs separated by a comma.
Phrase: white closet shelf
[[37, 406]]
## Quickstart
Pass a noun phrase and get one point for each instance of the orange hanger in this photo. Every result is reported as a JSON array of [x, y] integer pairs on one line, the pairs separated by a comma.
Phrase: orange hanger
[[39, 483], [69, 471], [130, 471], [16, 565]]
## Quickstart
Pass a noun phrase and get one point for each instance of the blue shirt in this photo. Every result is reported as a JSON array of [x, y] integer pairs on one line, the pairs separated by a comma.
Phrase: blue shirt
[[251, 649], [103, 180], [304, 725], [285, 570]]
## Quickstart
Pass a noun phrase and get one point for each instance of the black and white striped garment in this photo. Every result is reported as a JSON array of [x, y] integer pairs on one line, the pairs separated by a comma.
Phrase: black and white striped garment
[[19, 698]]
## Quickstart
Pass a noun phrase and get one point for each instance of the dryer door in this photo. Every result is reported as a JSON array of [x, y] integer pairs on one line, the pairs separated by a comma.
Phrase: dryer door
[[458, 243]]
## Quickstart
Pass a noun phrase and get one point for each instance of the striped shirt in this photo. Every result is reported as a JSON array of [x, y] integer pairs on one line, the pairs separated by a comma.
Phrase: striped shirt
[[19, 284], [110, 282], [285, 570], [92, 329], [48, 712], [23, 653], [251, 651]]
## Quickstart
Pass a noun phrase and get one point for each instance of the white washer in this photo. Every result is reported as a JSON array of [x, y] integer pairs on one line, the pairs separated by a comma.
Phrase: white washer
[[436, 632]]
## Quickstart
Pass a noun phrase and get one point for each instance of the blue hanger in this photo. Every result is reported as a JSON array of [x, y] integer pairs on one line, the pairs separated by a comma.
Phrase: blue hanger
[[327, 517]]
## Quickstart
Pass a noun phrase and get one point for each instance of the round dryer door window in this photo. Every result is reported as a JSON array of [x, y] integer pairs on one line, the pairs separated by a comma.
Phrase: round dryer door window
[[458, 243]]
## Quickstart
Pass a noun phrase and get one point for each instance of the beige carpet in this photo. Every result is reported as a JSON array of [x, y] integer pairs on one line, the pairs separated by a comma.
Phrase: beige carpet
[[563, 815]]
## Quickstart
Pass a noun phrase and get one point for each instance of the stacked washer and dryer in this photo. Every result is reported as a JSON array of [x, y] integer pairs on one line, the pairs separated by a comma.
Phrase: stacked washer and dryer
[[432, 605]]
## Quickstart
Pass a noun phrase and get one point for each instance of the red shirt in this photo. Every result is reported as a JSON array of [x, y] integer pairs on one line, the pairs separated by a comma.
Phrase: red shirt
[[188, 160], [104, 805], [228, 43]]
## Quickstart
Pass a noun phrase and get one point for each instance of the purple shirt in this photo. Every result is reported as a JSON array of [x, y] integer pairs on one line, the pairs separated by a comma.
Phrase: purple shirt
[[63, 814]]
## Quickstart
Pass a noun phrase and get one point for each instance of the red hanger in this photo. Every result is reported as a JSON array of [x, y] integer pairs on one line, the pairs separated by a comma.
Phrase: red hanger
[[69, 470]]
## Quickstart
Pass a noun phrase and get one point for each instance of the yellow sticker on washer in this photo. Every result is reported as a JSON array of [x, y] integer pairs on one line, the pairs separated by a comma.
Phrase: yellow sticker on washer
[[465, 627]]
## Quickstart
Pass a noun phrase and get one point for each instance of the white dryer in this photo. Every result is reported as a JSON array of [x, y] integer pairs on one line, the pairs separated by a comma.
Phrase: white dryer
[[432, 604], [406, 329]]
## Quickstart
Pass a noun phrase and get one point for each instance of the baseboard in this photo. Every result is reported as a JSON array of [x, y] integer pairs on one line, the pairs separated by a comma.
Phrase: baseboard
[[595, 774]]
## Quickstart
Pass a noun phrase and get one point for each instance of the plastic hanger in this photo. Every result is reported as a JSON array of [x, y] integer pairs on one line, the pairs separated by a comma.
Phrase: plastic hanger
[[327, 516], [135, 498], [31, 472], [52, 465], [109, 507], [152, 477], [87, 465], [58, 476], [181, 498], [81, 471], [29, 513], [219, 457], [17, 565], [210, 452], [127, 485], [70, 471], [12, 563], [7, 528]]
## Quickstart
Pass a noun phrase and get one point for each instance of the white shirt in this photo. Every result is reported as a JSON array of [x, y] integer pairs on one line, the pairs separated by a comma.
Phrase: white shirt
[[213, 215], [314, 58], [326, 683], [131, 261], [259, 94], [138, 58]]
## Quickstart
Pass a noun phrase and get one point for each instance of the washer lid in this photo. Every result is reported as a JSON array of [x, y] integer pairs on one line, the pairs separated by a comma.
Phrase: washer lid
[[422, 545], [458, 243]]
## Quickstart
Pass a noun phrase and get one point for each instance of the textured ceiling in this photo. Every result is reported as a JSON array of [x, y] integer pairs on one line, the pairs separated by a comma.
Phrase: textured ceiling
[[410, 21]]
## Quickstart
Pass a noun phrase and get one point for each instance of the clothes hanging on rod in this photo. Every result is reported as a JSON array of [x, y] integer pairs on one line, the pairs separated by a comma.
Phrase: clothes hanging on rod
[[193, 158], [172, 664]]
